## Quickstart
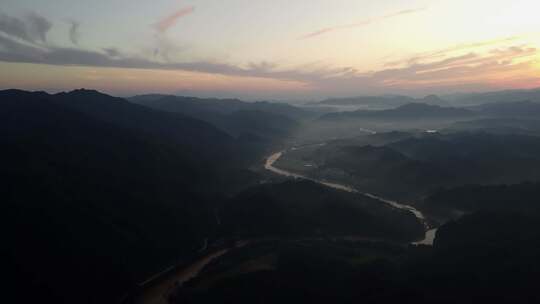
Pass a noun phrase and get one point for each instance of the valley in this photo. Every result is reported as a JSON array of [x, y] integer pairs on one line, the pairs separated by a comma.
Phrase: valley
[[270, 152], [430, 232], [256, 199]]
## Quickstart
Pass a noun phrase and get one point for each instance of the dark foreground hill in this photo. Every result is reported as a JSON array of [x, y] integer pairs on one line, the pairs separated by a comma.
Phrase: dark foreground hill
[[482, 258], [98, 192], [307, 209], [521, 199]]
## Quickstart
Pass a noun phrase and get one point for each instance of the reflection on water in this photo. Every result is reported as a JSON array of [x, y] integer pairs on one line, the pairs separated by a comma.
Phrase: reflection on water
[[430, 234], [429, 238]]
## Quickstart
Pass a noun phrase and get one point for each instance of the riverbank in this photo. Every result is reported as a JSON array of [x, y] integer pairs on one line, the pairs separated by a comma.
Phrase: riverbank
[[158, 290], [430, 233]]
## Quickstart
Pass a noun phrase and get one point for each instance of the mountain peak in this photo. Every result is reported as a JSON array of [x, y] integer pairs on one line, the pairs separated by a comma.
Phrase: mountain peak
[[417, 105], [84, 92], [432, 98]]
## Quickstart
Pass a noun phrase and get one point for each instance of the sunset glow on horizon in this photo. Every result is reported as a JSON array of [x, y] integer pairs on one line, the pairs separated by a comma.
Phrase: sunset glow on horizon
[[271, 50]]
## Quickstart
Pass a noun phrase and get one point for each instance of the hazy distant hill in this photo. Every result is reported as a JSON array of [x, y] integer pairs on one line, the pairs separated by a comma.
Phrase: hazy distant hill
[[457, 100], [502, 125], [381, 102], [404, 112], [525, 108], [372, 101], [478, 157], [380, 170], [497, 96], [262, 119], [408, 167], [224, 106], [177, 127]]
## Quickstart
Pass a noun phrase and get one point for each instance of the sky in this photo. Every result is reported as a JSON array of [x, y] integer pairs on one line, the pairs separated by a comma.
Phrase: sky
[[279, 50]]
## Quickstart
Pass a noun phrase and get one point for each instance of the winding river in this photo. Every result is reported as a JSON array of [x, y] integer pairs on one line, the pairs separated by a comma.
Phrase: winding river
[[170, 279], [430, 233]]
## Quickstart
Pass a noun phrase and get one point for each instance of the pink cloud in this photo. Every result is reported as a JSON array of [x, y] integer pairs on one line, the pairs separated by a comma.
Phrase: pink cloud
[[441, 53], [366, 22], [166, 23]]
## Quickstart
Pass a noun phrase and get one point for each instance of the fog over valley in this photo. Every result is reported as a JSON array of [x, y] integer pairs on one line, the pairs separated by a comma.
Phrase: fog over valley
[[255, 152]]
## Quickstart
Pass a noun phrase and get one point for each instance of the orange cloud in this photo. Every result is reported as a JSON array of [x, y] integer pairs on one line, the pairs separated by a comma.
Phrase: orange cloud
[[441, 53]]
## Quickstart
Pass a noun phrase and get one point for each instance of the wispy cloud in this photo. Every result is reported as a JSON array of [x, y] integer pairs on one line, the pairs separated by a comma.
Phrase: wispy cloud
[[441, 53], [166, 47], [112, 52], [365, 22], [166, 23], [32, 28], [492, 62], [326, 80], [38, 27], [466, 70], [74, 32]]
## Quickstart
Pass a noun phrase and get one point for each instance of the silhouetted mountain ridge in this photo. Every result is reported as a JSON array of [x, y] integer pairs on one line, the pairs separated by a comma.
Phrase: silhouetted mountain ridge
[[381, 102], [266, 120], [100, 192], [181, 104]]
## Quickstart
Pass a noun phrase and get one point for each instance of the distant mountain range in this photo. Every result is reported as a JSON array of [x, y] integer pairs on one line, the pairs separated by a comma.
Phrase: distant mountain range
[[457, 100], [525, 108], [222, 106], [496, 96], [262, 119], [401, 166], [381, 102], [404, 112], [500, 126]]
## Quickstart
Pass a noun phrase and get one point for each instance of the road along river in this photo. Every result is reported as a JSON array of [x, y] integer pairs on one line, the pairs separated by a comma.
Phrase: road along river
[[430, 233]]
